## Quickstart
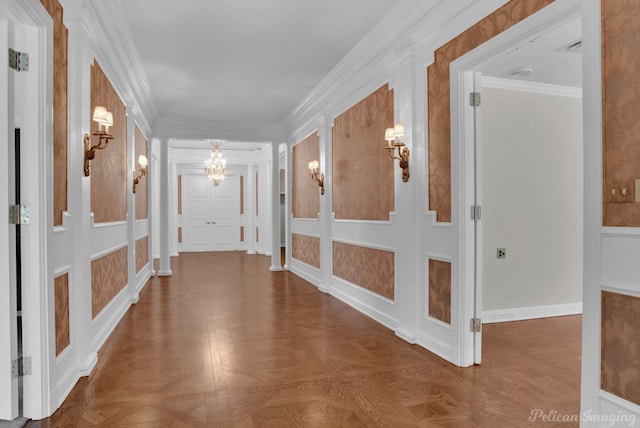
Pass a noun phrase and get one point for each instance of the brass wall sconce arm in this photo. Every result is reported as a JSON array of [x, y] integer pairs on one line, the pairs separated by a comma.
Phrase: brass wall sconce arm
[[139, 174], [314, 167], [392, 135], [105, 120]]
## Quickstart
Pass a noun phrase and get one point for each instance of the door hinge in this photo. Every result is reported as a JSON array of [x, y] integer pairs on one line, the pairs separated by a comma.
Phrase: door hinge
[[19, 214], [476, 212], [19, 61], [475, 99], [476, 325], [21, 367]]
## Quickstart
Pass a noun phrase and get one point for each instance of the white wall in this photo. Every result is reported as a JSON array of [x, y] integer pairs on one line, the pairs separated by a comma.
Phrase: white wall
[[531, 154]]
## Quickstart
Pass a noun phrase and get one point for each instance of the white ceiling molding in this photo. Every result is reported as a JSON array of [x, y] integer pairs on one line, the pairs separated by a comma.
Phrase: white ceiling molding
[[116, 54], [198, 156], [221, 130], [371, 60], [533, 87]]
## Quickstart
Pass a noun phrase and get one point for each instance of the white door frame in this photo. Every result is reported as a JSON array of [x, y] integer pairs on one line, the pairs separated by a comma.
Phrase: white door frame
[[463, 295], [37, 141], [8, 322]]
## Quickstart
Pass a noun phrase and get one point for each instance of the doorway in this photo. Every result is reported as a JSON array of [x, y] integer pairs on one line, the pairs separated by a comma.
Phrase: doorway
[[502, 178], [210, 218]]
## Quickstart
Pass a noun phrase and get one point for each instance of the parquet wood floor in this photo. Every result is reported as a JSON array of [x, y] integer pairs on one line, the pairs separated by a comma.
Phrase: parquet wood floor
[[226, 343]]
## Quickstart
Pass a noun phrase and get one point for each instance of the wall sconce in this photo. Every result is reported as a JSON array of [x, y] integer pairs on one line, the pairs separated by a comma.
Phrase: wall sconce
[[105, 121], [314, 166], [138, 174], [392, 135]]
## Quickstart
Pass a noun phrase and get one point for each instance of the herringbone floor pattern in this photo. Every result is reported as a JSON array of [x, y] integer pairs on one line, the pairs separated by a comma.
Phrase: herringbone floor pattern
[[226, 343]]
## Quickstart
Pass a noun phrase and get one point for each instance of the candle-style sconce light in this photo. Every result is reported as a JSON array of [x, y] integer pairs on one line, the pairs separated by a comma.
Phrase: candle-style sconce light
[[314, 168], [392, 135], [105, 121], [141, 172]]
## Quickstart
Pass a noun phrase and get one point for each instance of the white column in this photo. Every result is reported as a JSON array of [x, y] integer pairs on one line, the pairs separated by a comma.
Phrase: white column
[[152, 200], [265, 220], [131, 203], [165, 262], [326, 245], [173, 209], [154, 190], [276, 265], [80, 316], [250, 209], [287, 206]]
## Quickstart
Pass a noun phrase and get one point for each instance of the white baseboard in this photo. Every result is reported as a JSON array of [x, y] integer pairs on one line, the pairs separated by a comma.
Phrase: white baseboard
[[89, 365], [108, 319], [64, 387], [371, 312], [307, 276], [143, 278], [434, 346], [406, 335], [534, 312]]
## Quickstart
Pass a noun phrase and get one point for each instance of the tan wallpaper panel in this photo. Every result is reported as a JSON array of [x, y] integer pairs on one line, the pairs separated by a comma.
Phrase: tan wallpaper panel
[[306, 249], [621, 107], [242, 194], [368, 268], [108, 277], [109, 168], [241, 233], [61, 309], [621, 345], [142, 253], [142, 189], [60, 112], [440, 290], [257, 236], [179, 193], [179, 234], [439, 114], [305, 193], [362, 170]]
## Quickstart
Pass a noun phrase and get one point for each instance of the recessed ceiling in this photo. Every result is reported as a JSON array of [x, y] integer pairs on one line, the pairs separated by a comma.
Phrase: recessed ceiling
[[547, 58], [243, 60], [236, 146]]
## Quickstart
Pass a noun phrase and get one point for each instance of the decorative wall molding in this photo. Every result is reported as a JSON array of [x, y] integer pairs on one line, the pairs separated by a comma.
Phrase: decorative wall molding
[[534, 312]]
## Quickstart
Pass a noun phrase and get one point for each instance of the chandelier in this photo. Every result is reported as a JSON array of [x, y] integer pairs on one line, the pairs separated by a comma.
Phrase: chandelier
[[215, 168]]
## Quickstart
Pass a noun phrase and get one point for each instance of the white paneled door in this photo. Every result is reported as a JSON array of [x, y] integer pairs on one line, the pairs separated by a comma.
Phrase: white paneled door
[[210, 218]]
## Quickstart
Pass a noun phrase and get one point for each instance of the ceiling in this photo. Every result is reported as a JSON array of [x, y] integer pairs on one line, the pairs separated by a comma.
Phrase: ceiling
[[243, 60], [546, 55], [256, 60]]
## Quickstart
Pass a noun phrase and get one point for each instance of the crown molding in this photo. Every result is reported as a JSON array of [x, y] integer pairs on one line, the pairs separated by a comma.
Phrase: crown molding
[[390, 42], [198, 156], [168, 127], [533, 87], [113, 47]]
